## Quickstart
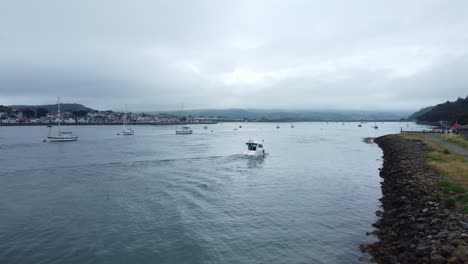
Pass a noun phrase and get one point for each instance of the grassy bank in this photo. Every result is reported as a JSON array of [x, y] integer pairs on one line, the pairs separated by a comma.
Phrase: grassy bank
[[457, 140], [452, 166]]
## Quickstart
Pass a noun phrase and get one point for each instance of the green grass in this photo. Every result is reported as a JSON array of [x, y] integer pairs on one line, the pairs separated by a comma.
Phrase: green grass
[[452, 166], [457, 140], [454, 195]]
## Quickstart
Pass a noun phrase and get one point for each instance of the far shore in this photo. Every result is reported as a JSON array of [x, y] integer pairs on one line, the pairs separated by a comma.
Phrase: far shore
[[201, 123]]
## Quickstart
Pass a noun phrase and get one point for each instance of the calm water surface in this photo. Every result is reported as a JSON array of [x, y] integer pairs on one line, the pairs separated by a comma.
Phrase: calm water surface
[[160, 198]]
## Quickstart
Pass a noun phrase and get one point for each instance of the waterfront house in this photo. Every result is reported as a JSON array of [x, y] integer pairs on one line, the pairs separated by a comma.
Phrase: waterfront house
[[145, 119], [463, 131], [69, 121], [83, 120]]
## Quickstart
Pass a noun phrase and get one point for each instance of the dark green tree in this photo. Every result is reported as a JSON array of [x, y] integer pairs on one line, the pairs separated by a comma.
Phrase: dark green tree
[[463, 119], [80, 113], [41, 112], [28, 113], [448, 111]]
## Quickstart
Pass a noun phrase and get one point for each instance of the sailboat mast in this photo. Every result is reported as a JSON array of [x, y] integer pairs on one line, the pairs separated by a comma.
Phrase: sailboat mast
[[182, 114], [125, 118], [58, 103]]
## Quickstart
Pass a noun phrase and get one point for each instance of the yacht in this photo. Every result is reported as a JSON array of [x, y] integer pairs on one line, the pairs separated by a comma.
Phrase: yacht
[[254, 149]]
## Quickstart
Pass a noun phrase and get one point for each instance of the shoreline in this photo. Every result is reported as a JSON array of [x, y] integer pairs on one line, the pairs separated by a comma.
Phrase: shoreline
[[416, 225], [190, 123], [106, 124]]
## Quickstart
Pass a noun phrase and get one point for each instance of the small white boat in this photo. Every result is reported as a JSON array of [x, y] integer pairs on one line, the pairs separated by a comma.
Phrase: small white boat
[[254, 149], [127, 131], [185, 130], [62, 135]]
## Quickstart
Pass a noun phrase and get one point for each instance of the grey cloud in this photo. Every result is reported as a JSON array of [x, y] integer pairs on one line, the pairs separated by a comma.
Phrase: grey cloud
[[213, 54]]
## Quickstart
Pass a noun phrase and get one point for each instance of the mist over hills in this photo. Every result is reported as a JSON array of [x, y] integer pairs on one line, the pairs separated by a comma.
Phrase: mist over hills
[[420, 112], [296, 115]]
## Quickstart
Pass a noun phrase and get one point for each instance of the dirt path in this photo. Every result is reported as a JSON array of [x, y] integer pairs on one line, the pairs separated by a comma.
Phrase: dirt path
[[450, 146]]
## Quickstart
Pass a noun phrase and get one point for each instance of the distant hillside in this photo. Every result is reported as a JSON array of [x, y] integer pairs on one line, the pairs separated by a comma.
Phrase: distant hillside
[[5, 109], [419, 113], [53, 107], [448, 111], [295, 115]]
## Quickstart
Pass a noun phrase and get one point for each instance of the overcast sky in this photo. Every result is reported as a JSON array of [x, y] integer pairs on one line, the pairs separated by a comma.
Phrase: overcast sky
[[156, 55]]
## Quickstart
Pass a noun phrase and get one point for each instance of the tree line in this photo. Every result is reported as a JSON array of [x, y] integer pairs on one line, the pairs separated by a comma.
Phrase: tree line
[[456, 111]]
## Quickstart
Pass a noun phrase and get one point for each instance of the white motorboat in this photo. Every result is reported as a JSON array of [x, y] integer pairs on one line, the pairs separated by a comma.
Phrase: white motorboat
[[185, 130], [127, 131], [62, 136], [254, 149]]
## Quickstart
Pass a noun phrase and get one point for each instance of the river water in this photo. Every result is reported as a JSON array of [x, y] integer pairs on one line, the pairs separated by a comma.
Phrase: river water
[[157, 197]]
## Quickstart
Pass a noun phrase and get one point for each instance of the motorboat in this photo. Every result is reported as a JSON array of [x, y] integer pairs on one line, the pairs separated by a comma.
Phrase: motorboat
[[254, 149]]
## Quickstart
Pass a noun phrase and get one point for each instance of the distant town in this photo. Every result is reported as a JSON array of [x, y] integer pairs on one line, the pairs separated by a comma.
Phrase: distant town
[[81, 116]]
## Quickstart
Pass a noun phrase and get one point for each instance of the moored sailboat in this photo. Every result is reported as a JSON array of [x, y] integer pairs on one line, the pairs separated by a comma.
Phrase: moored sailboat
[[127, 131], [184, 130], [62, 136]]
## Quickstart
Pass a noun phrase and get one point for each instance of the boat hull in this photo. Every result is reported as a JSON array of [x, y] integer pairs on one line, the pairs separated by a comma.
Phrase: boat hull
[[183, 132], [62, 139], [256, 154], [128, 132]]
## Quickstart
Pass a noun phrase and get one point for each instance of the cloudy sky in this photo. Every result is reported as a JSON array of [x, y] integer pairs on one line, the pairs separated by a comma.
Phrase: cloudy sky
[[156, 55]]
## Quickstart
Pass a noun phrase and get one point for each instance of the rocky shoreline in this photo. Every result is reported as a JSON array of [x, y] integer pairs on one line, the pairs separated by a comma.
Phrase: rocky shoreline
[[415, 225]]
